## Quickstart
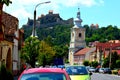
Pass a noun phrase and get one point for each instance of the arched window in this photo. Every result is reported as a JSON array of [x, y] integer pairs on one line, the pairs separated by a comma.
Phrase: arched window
[[80, 34], [72, 34]]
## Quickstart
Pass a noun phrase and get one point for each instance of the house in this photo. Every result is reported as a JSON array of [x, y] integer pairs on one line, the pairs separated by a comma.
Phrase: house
[[105, 49], [84, 54], [9, 42]]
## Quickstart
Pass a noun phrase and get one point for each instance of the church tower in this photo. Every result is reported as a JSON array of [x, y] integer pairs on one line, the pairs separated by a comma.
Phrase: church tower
[[77, 41]]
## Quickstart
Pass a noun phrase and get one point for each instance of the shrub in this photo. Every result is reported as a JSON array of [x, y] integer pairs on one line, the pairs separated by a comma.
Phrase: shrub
[[114, 71], [118, 63], [94, 64], [5, 74], [86, 63]]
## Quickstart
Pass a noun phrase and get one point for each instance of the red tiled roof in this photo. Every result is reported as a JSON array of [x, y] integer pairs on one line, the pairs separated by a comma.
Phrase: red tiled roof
[[10, 25], [107, 45], [10, 22], [82, 51]]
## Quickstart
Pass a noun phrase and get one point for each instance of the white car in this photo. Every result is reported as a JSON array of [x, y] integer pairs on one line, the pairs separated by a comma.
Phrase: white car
[[91, 69], [101, 70]]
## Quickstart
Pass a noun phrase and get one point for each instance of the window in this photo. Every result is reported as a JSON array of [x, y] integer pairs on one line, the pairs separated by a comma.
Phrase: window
[[44, 76], [76, 70], [72, 34], [80, 34]]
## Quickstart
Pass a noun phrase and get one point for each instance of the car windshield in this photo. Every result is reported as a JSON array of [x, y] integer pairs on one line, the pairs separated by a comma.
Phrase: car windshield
[[76, 70], [43, 76]]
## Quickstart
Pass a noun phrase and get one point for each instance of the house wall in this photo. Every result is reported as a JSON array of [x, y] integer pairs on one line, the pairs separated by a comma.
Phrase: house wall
[[15, 55], [89, 55], [6, 54], [10, 33], [79, 59]]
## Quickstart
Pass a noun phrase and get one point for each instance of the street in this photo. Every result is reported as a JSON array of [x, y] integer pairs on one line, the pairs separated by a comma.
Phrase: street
[[97, 76]]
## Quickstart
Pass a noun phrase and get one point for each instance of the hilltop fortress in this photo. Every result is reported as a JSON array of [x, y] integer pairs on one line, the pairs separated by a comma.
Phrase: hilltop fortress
[[49, 20]]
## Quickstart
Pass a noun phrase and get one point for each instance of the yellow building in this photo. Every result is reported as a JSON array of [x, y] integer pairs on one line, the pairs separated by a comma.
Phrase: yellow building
[[8, 27]]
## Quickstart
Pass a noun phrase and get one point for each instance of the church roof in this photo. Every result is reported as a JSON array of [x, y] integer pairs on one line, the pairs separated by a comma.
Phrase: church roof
[[82, 51], [78, 20]]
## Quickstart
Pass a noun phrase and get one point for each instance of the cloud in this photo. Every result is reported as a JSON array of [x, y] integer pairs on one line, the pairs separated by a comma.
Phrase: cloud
[[22, 13], [87, 3], [22, 9]]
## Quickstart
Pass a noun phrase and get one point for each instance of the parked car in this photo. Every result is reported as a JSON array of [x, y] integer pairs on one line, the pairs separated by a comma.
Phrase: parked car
[[77, 72], [107, 70], [97, 69], [44, 74], [92, 69], [101, 70]]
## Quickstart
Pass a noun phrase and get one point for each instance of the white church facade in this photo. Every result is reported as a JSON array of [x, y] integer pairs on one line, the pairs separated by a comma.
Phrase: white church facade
[[77, 41]]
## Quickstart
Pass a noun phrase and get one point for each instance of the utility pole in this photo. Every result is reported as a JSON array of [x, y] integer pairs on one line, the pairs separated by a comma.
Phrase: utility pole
[[110, 54]]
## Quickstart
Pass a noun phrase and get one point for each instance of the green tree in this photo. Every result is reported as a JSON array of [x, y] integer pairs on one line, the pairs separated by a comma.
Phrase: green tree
[[58, 51], [106, 62], [49, 40], [6, 2], [94, 64], [30, 50], [114, 58], [117, 63], [65, 52], [46, 54]]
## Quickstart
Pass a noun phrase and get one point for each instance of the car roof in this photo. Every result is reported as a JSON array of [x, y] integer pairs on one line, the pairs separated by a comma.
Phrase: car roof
[[37, 70], [75, 65]]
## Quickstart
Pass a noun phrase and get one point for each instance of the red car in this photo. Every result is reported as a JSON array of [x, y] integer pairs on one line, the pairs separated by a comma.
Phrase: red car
[[44, 74]]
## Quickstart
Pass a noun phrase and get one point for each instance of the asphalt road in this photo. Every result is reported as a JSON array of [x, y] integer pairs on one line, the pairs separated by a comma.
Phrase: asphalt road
[[97, 76]]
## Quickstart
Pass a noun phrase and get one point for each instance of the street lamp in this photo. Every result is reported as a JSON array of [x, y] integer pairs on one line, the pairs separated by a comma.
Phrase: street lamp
[[34, 34]]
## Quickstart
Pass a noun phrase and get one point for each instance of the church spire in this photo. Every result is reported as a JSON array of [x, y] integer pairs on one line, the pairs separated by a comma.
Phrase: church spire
[[78, 13], [78, 20]]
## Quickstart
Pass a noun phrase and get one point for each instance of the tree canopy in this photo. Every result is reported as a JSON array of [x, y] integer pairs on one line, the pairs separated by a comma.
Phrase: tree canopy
[[30, 50], [46, 54], [58, 38], [6, 2]]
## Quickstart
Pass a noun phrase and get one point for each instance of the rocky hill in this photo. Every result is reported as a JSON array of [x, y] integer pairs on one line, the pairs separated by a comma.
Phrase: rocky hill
[[49, 20]]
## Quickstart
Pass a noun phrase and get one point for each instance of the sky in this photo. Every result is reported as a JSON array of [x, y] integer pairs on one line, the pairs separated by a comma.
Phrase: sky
[[101, 12]]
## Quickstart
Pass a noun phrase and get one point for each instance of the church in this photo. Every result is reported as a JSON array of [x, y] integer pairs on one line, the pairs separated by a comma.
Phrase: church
[[77, 50]]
